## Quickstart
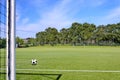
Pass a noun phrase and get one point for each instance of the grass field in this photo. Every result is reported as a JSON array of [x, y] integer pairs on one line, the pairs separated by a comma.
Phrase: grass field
[[68, 63]]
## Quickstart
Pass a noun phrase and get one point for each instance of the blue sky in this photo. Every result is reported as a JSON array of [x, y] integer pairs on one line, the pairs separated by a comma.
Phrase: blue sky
[[37, 15]]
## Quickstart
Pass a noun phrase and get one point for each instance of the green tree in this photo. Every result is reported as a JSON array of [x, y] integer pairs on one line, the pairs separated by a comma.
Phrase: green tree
[[19, 41], [32, 41], [41, 38], [52, 35], [64, 36]]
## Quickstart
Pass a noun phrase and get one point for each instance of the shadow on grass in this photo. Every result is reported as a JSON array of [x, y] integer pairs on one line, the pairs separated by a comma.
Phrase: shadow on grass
[[58, 76]]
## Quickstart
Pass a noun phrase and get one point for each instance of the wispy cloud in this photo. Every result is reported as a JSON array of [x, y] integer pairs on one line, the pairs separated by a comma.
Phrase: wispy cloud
[[59, 16], [64, 12], [61, 13]]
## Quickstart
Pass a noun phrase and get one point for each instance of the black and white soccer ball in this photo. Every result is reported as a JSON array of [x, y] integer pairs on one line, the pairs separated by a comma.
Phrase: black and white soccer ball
[[34, 62]]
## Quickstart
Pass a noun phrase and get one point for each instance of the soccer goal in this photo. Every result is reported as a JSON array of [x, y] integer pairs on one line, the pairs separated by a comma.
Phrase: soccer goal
[[7, 21]]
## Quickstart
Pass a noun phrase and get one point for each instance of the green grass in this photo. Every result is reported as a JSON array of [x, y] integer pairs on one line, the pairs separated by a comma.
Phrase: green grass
[[69, 58]]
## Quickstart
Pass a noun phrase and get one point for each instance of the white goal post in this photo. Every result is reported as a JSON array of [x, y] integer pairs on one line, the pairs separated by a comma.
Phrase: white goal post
[[10, 40]]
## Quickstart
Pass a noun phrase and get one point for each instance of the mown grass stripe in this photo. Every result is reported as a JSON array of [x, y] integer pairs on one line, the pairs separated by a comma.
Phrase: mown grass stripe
[[56, 70]]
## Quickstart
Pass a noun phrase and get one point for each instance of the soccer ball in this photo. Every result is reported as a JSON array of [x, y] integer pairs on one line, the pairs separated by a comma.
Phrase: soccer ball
[[34, 61]]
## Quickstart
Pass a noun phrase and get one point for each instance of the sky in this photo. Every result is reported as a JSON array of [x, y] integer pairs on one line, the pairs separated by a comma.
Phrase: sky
[[33, 16]]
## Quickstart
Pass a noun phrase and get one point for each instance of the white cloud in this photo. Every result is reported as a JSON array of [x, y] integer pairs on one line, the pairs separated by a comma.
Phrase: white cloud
[[60, 15]]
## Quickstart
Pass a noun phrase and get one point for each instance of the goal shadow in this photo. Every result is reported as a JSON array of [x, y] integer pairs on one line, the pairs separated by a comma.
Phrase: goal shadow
[[49, 76]]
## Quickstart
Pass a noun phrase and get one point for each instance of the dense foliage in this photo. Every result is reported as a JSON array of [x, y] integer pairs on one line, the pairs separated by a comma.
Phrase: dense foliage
[[2, 43], [77, 35], [81, 34]]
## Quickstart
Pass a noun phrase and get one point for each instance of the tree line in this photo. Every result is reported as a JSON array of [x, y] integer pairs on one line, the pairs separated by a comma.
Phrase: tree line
[[81, 34], [19, 42], [77, 35]]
